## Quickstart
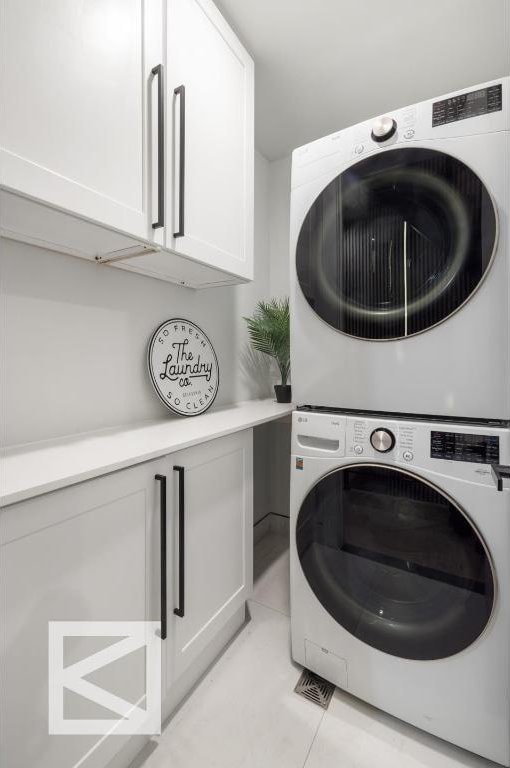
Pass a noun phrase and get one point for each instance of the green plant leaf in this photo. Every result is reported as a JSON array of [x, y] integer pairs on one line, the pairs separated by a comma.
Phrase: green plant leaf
[[269, 331]]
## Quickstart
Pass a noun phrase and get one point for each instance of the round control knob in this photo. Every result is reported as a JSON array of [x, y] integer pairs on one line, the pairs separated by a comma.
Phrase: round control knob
[[382, 440], [383, 129]]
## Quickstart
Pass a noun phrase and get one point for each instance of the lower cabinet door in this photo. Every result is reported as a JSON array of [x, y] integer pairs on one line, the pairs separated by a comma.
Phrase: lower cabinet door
[[86, 553], [212, 573]]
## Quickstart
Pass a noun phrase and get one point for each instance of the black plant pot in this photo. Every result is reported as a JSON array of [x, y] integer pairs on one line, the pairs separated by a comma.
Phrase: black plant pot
[[283, 393]]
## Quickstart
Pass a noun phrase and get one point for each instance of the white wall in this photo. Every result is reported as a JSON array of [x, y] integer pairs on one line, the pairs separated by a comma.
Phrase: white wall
[[277, 435], [279, 219], [75, 336]]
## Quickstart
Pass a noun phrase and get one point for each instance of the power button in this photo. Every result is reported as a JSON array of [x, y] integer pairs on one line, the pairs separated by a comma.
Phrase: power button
[[408, 456]]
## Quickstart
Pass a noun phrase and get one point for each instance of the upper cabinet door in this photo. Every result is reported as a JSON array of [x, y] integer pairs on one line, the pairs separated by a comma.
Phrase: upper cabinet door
[[74, 79], [210, 99]]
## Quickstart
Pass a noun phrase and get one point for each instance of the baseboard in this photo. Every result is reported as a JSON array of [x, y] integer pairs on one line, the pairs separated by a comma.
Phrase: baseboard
[[279, 524], [270, 523], [261, 528]]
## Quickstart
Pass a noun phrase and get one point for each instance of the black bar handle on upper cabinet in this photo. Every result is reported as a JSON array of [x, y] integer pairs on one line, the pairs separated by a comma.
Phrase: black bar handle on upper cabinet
[[180, 91], [162, 541], [180, 610], [158, 72], [499, 472]]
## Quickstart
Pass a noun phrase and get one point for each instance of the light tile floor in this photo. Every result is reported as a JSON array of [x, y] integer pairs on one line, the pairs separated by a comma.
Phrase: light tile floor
[[244, 713]]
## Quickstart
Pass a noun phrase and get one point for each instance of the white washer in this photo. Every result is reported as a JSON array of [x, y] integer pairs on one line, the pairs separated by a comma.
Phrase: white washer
[[400, 577], [400, 276]]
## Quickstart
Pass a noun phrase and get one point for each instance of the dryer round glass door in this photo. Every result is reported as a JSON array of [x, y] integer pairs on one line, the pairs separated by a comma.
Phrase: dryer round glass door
[[396, 243], [395, 562]]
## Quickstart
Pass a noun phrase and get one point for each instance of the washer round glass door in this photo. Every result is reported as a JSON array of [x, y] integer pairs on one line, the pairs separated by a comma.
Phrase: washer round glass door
[[395, 562], [396, 243]]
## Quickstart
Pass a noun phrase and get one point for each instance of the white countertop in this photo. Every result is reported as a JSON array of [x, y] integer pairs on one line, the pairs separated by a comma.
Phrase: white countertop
[[37, 468]]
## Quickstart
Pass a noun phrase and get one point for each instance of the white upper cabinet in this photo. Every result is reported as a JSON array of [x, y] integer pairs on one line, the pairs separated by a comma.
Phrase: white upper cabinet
[[73, 87], [210, 91], [105, 156]]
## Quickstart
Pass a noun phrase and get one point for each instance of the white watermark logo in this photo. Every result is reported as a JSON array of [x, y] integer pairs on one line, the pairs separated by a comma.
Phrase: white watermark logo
[[126, 717]]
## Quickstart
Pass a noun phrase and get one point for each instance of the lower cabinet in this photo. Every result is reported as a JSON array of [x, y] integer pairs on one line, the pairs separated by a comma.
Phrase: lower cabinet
[[91, 552], [211, 575], [85, 553]]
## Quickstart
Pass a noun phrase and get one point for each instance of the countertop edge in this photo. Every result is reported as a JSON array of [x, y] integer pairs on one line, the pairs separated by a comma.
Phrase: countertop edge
[[239, 416]]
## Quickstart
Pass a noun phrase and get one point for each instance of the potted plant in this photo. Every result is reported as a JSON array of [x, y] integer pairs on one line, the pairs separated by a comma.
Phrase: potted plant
[[269, 333]]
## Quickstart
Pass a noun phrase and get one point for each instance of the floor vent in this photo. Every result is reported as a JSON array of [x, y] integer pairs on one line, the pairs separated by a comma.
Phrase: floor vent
[[315, 688]]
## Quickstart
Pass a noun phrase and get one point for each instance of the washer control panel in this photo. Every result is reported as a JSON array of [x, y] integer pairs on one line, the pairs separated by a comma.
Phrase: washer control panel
[[406, 442], [357, 437], [382, 440], [369, 438], [455, 446], [464, 450]]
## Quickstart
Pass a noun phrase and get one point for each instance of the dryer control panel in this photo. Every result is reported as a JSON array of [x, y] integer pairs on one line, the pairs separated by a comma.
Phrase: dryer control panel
[[468, 112], [472, 104]]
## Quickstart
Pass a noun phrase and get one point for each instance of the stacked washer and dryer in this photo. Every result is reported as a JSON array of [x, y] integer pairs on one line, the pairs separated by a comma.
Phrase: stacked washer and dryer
[[400, 348]]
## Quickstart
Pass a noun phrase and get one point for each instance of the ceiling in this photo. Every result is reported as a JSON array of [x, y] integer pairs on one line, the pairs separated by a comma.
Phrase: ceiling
[[322, 65]]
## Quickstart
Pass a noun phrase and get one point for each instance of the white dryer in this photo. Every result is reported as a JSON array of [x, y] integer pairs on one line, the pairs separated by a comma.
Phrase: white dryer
[[400, 261], [400, 573]]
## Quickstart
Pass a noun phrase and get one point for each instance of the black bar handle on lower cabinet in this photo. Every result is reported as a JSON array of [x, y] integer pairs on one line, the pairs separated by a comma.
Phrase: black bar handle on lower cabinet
[[158, 72], [179, 611], [162, 508], [180, 91], [499, 472]]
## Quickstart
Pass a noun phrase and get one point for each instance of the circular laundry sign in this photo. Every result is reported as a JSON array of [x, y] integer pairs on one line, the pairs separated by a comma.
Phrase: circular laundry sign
[[183, 367]]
